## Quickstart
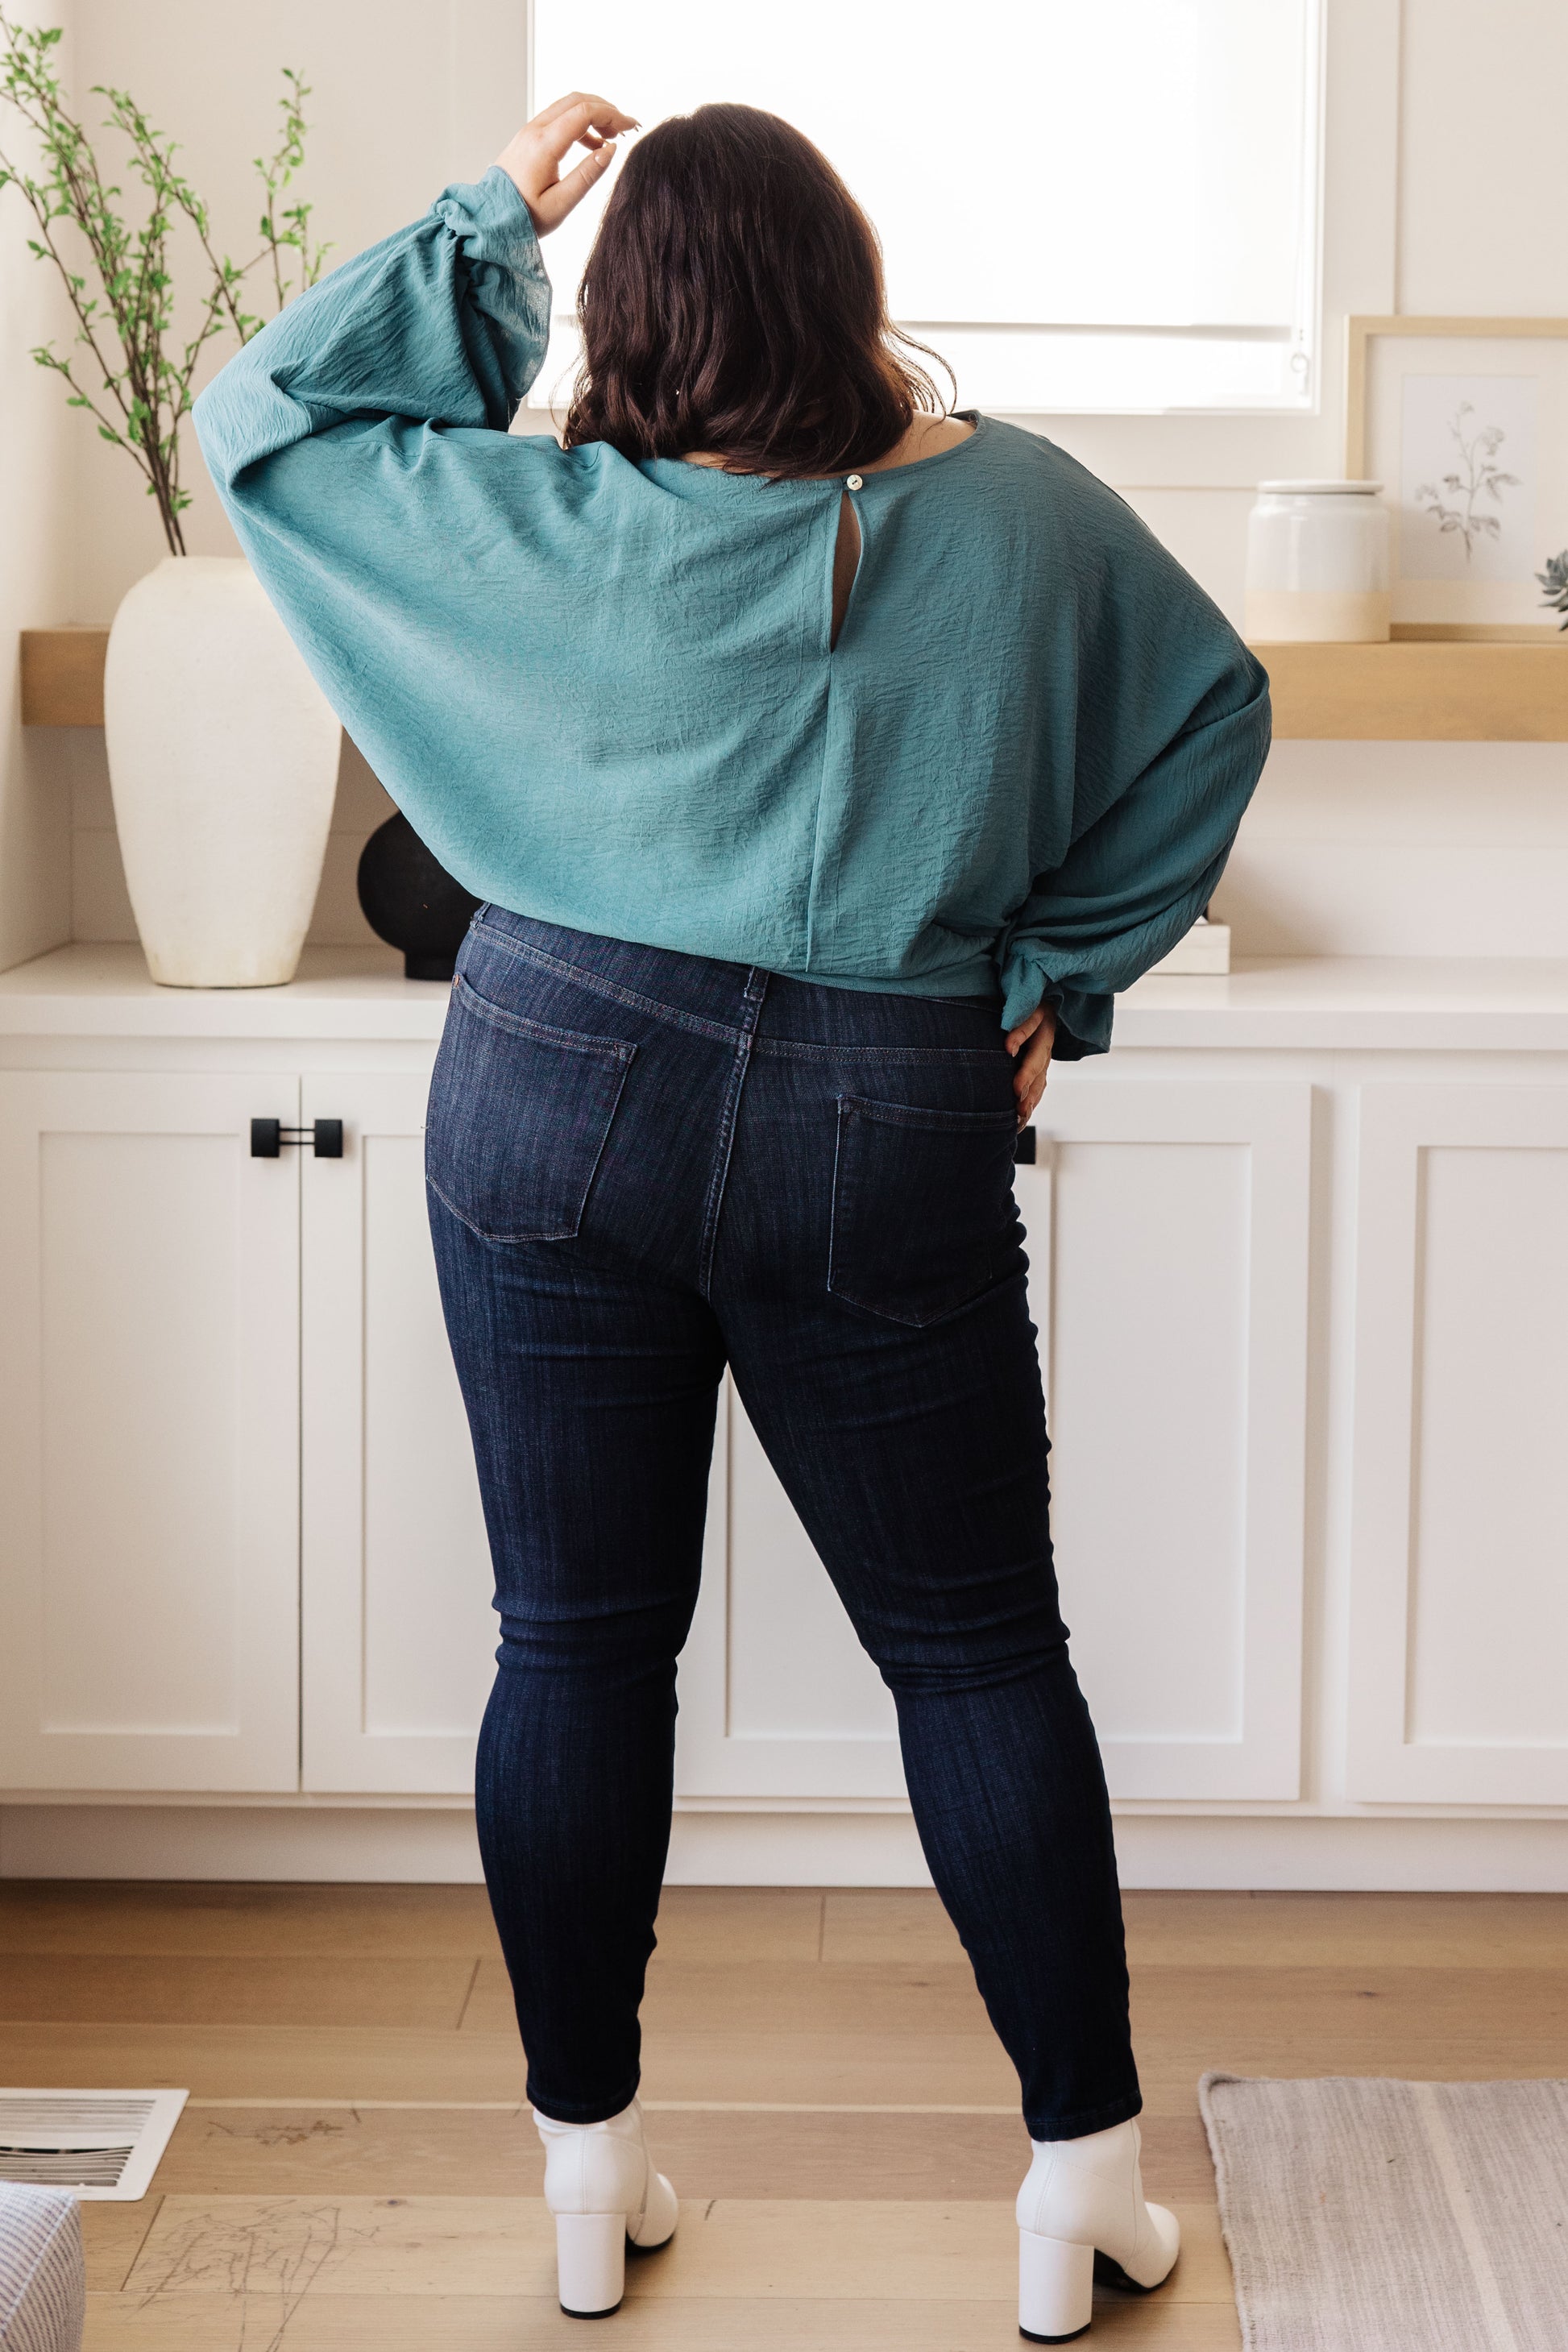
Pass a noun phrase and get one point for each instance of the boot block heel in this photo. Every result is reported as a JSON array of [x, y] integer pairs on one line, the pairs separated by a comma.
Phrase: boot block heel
[[1055, 2288], [590, 2264]]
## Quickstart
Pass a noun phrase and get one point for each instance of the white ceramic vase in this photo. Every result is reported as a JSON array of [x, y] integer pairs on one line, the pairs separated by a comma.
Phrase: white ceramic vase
[[1317, 564], [223, 761]]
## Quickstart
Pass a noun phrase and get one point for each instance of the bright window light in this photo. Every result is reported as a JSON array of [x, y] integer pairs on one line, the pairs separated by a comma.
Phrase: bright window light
[[1085, 205]]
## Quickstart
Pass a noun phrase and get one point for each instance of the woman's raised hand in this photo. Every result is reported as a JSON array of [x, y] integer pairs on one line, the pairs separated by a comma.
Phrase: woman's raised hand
[[534, 158]]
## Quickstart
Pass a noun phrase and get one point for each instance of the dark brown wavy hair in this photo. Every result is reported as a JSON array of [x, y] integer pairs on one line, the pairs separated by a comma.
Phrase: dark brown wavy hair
[[734, 303]]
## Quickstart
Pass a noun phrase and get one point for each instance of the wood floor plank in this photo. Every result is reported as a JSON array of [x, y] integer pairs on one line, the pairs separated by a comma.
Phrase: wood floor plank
[[882, 2252], [779, 1995], [113, 2235], [276, 2062], [712, 1923], [1381, 2006], [1436, 1997], [179, 1988], [876, 2251], [1213, 1930], [370, 2151], [830, 2069], [715, 1925], [1219, 1930], [298, 2065], [1343, 1930], [343, 2151], [128, 2322], [412, 2152], [1443, 2023], [282, 1922], [875, 1925], [351, 2245]]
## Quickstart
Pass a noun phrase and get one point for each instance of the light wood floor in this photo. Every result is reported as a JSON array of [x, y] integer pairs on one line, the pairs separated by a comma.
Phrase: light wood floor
[[355, 2168]]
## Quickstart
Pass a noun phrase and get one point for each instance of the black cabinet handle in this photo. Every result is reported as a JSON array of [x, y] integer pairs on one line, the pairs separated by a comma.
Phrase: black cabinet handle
[[268, 1136]]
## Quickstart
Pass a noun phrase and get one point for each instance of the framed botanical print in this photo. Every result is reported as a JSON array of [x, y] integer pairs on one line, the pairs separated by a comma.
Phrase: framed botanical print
[[1465, 421]]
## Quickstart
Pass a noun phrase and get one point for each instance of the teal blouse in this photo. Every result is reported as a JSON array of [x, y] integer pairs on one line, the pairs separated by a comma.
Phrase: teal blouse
[[602, 691]]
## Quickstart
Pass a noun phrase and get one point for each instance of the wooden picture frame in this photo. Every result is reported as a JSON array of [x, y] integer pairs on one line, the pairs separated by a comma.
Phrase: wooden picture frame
[[1489, 592]]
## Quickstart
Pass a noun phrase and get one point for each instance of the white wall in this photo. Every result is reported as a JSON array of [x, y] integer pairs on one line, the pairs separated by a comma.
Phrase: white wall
[[1441, 198], [1406, 849], [1480, 126]]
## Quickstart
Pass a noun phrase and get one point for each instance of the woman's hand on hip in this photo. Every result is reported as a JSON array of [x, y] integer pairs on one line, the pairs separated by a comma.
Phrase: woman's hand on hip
[[533, 160], [1031, 1043]]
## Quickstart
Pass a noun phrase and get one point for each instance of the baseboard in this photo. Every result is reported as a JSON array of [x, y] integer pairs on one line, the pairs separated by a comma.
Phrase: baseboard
[[436, 1846], [1361, 1853], [338, 1843], [795, 1850]]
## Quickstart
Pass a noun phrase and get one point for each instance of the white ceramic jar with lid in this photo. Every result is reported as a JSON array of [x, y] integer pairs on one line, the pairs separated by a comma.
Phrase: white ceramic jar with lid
[[1317, 562]]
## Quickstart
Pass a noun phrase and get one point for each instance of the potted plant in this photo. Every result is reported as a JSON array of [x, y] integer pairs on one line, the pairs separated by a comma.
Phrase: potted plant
[[222, 751]]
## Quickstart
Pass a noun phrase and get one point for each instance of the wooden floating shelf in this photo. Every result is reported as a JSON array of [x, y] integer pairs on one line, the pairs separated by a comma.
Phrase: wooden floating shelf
[[1415, 690], [1420, 691], [62, 677]]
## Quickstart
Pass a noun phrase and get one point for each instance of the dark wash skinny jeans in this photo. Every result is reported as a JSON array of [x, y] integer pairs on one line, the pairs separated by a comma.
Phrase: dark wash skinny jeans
[[644, 1166]]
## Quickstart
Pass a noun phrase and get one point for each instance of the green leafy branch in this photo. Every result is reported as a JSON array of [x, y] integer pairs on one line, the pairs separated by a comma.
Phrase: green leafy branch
[[276, 171], [130, 371]]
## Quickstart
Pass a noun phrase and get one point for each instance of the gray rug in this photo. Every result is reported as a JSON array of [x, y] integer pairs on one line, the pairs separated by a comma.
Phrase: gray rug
[[1374, 2216]]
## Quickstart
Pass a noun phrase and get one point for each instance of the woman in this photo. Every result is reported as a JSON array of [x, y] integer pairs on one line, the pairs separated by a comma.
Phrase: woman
[[825, 763]]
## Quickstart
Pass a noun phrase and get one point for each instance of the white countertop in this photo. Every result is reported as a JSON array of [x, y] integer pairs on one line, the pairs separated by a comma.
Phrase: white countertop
[[1465, 1004], [1325, 1002], [107, 991]]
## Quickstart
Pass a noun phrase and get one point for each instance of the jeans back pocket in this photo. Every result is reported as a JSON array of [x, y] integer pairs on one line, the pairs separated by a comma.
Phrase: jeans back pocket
[[924, 1214], [520, 1115]]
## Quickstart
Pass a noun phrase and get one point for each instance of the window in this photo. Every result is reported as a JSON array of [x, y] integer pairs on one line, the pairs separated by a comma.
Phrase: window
[[1085, 205]]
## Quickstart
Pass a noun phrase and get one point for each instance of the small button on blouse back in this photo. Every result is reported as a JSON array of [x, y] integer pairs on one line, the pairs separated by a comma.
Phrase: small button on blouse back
[[853, 483]]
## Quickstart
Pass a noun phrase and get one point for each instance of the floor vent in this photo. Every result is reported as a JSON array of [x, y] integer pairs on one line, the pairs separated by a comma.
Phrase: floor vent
[[101, 2144]]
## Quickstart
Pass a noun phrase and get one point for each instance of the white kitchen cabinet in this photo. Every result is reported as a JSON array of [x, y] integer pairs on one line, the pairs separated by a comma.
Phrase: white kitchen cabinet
[[398, 1636], [1459, 1546], [1168, 1240], [148, 1433], [1300, 1265]]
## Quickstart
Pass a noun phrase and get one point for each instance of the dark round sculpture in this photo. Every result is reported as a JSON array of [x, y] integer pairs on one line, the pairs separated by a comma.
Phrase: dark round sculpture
[[411, 901]]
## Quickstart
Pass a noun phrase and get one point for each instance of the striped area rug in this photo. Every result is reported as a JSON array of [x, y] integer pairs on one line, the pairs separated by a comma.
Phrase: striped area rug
[[42, 2289], [1377, 2216]]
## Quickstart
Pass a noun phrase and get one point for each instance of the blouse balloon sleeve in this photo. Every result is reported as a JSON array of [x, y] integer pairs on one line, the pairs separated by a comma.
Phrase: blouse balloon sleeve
[[1172, 730]]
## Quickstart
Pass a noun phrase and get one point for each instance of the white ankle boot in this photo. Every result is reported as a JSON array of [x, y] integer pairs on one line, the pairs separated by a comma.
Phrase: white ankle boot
[[600, 2184], [1084, 2196]]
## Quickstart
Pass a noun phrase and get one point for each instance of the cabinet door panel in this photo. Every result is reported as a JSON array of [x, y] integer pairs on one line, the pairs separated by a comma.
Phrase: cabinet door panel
[[399, 1634], [793, 1674], [1169, 1234], [1147, 1383], [777, 1697], [1169, 1246], [150, 1339], [1460, 1531]]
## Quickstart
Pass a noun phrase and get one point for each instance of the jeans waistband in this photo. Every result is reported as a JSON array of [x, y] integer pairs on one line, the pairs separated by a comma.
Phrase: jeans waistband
[[737, 998]]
